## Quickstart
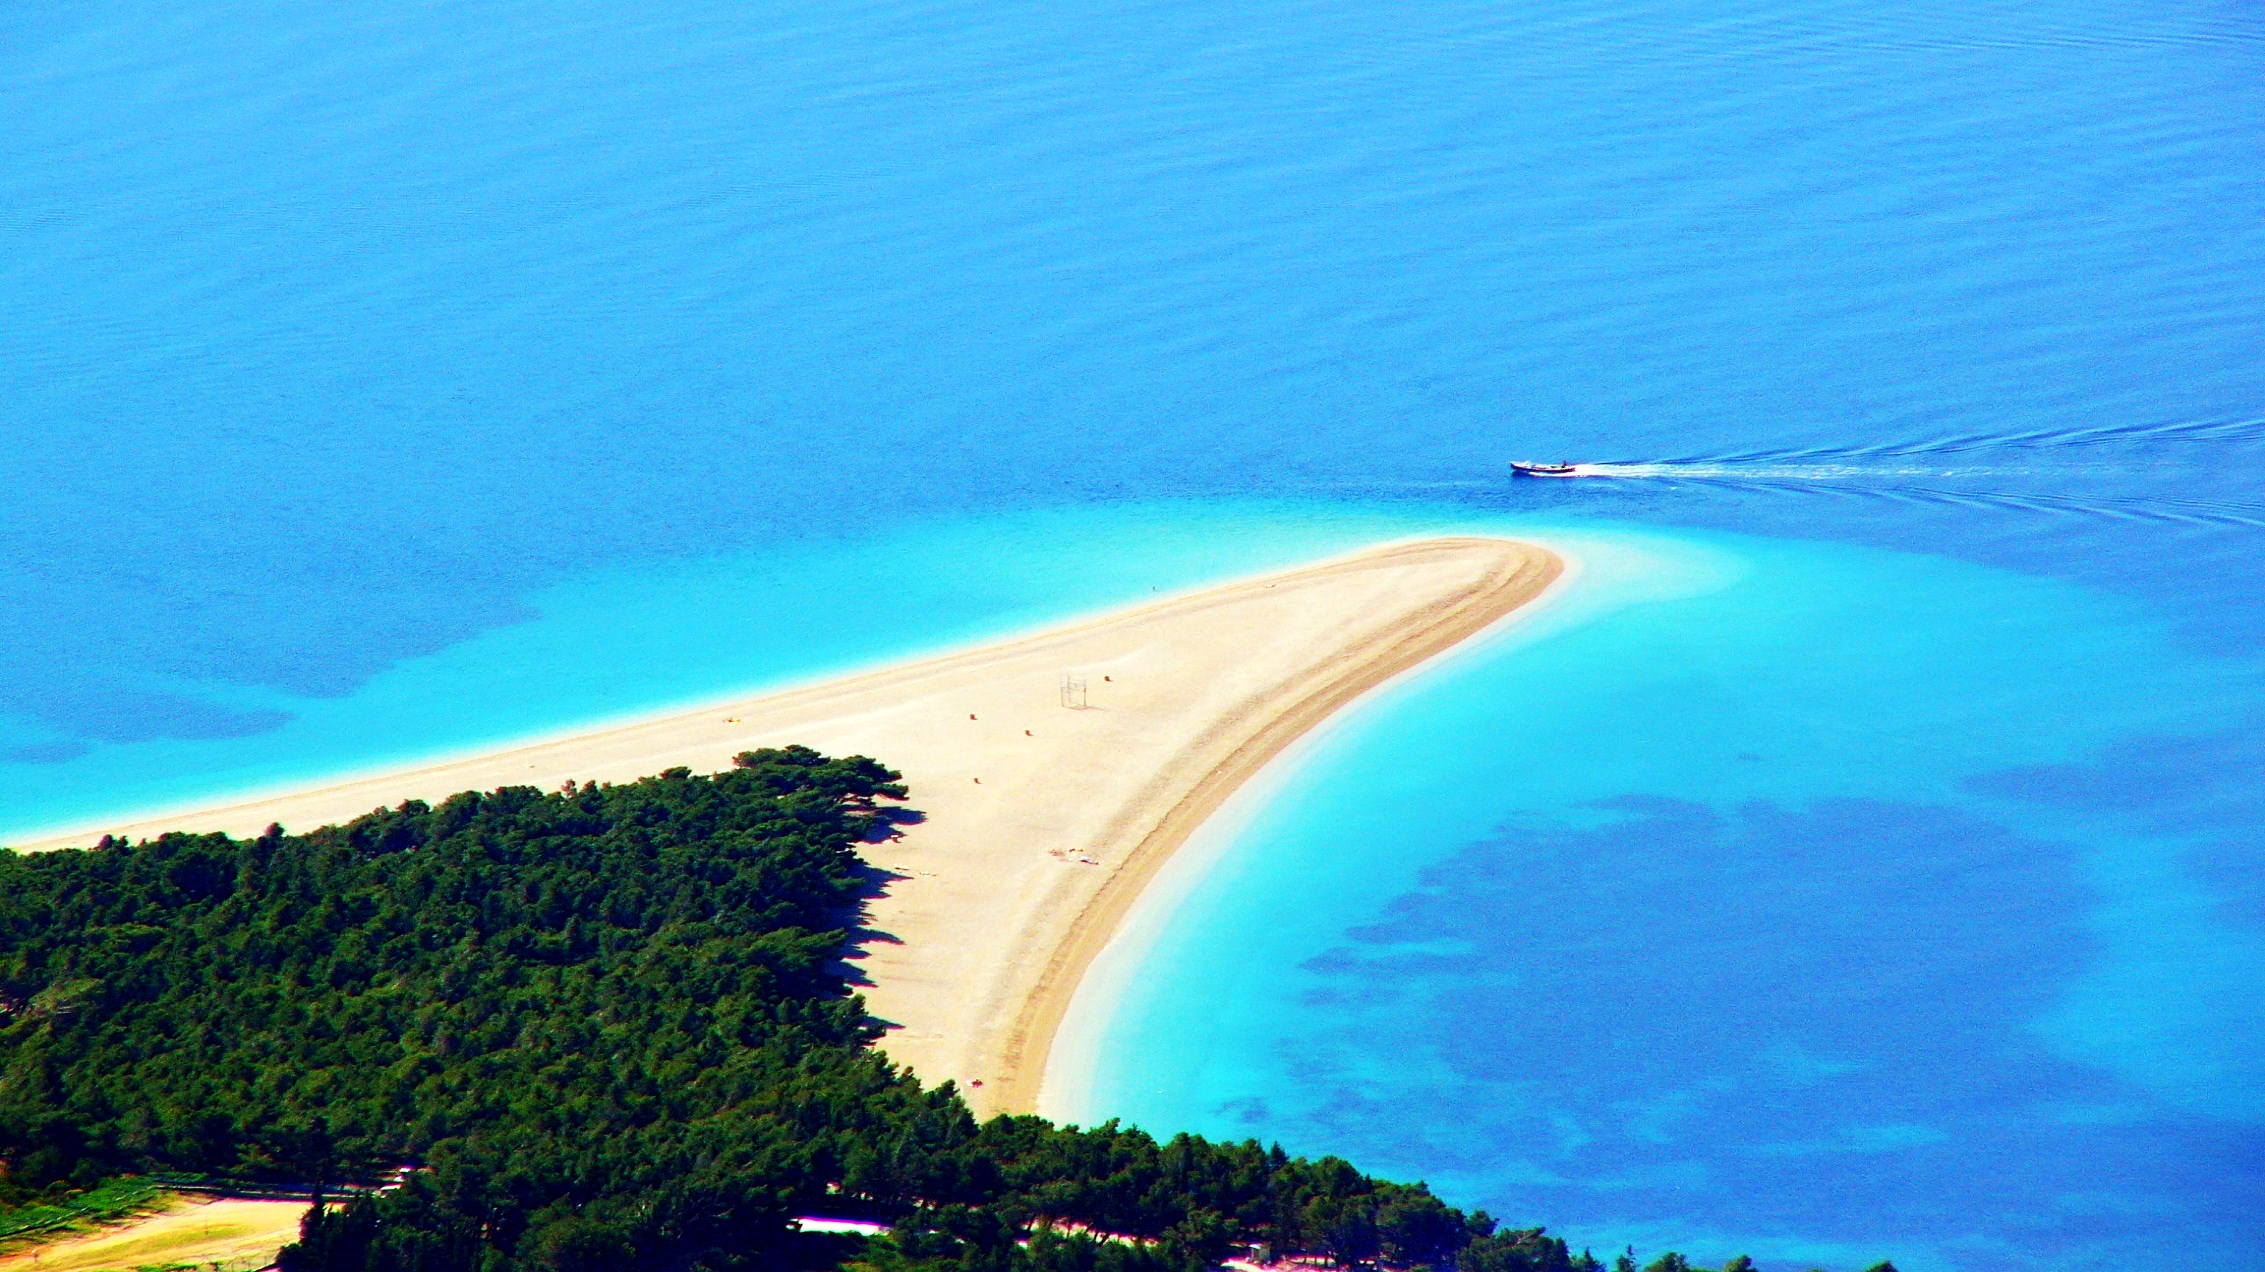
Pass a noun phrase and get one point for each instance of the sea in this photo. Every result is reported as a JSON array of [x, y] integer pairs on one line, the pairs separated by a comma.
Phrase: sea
[[1862, 858]]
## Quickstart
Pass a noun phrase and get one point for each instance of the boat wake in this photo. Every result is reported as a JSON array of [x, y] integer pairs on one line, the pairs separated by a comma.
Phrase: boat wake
[[2150, 435], [1698, 471], [2034, 471]]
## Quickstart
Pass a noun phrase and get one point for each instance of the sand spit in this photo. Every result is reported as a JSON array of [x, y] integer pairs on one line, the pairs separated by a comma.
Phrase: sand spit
[[1057, 771]]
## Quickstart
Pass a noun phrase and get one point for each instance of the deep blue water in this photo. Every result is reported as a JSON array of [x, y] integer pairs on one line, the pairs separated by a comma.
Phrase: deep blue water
[[1863, 860]]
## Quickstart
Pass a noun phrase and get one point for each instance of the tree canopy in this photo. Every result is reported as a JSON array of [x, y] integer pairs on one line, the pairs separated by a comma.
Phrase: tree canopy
[[603, 1027]]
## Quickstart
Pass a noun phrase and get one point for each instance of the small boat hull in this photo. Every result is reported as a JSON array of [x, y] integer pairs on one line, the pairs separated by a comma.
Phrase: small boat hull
[[1545, 470]]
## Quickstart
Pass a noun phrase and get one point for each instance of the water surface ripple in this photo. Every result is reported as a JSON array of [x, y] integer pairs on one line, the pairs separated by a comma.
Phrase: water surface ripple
[[379, 381]]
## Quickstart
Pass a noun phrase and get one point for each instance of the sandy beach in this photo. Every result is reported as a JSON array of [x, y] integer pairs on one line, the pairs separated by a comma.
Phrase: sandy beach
[[229, 1234], [1046, 807]]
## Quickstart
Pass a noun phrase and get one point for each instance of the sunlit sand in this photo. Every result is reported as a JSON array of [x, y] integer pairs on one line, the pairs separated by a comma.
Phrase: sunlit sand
[[231, 1235], [1056, 772]]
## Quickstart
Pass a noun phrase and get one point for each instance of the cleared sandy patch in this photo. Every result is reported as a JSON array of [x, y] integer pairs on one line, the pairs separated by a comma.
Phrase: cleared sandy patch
[[1043, 820], [236, 1235]]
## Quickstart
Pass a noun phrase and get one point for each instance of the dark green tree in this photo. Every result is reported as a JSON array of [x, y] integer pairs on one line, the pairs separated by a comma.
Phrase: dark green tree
[[601, 1027]]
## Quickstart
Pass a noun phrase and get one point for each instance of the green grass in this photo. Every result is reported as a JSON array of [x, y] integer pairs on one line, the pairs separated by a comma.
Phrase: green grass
[[111, 1199]]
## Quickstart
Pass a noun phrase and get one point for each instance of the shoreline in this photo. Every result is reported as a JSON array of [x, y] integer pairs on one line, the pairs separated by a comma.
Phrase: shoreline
[[1044, 821], [1065, 1081], [1038, 1025], [178, 814]]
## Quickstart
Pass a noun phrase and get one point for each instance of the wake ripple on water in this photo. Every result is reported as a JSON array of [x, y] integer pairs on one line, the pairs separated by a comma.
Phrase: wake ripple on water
[[2031, 471], [2245, 429]]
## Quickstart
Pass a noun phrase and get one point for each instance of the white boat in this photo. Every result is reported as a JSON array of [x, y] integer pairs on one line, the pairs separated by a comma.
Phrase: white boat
[[1527, 468]]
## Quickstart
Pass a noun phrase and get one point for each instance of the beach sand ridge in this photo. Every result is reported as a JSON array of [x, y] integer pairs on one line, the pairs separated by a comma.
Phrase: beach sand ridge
[[1042, 816]]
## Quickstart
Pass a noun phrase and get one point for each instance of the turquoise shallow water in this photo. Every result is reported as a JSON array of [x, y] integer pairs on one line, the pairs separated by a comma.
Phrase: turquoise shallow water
[[1863, 860], [630, 641], [1800, 871]]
